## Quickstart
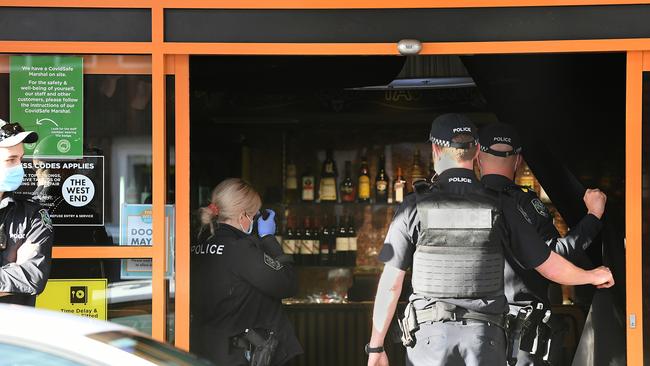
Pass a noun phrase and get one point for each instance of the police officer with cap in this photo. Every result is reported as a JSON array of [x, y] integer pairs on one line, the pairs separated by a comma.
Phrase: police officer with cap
[[453, 236], [25, 227], [498, 160]]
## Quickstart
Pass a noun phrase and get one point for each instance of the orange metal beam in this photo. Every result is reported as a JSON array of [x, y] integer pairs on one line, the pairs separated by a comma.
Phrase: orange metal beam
[[101, 252], [443, 48], [159, 151], [309, 4], [75, 47], [633, 208], [182, 90], [646, 61]]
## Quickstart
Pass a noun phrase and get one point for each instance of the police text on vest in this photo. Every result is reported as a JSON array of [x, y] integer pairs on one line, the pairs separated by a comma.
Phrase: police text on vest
[[207, 249]]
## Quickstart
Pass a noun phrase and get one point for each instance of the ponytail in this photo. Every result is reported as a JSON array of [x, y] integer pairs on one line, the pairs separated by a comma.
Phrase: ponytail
[[229, 198]]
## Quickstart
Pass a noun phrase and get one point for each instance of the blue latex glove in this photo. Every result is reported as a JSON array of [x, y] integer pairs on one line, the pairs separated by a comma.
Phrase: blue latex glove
[[266, 227]]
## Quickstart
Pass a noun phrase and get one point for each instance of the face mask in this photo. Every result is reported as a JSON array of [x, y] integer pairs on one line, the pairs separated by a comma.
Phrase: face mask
[[11, 178], [250, 227]]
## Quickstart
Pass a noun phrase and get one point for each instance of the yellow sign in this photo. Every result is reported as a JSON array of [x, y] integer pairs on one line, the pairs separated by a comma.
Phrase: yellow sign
[[85, 297]]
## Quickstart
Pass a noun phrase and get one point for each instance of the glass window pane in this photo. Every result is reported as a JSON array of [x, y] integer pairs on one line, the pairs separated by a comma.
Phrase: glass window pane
[[116, 145]]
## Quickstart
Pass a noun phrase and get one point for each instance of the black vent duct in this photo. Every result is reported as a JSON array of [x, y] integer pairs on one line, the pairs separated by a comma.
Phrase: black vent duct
[[276, 73]]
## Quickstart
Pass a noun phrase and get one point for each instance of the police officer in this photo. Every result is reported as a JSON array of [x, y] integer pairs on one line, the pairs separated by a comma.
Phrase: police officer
[[238, 281], [498, 160], [452, 235], [25, 227]]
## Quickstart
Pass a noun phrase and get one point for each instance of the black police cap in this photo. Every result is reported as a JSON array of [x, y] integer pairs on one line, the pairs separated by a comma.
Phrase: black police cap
[[447, 126], [499, 133]]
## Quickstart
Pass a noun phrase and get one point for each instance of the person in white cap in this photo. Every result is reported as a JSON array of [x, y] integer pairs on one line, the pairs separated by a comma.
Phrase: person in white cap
[[25, 227]]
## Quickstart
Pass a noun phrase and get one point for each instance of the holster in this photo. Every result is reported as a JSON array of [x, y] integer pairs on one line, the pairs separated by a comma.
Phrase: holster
[[514, 330], [259, 346], [408, 325], [551, 341], [529, 331], [534, 337]]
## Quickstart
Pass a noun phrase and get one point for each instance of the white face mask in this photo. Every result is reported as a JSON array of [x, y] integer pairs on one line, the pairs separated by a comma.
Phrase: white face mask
[[250, 227]]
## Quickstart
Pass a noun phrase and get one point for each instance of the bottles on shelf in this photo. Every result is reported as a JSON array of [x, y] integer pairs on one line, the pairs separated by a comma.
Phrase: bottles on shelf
[[308, 183], [352, 243], [399, 186], [325, 245], [381, 182], [342, 244], [526, 177], [332, 242], [291, 184], [360, 187], [289, 239], [308, 244], [327, 190], [321, 243], [364, 181], [417, 174], [347, 188]]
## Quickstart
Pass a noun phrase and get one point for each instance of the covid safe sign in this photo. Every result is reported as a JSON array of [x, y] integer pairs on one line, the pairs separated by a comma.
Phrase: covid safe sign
[[86, 297], [46, 96], [136, 229]]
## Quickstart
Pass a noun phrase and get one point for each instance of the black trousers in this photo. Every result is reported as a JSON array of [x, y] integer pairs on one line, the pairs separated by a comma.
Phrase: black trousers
[[458, 343]]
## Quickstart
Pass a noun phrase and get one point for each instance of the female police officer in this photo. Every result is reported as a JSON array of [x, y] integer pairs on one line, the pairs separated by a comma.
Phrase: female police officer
[[238, 281]]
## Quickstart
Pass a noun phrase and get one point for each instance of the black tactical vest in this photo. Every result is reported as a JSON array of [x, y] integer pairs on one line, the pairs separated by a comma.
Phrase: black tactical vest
[[459, 252]]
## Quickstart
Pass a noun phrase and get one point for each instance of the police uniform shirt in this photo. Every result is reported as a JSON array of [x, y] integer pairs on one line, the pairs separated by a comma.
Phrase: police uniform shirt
[[237, 284], [520, 284], [572, 246], [25, 262]]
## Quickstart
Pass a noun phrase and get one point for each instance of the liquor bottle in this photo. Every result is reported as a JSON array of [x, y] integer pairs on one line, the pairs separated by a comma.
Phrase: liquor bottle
[[381, 182], [289, 239], [364, 181], [308, 183], [316, 242], [324, 259], [347, 188], [332, 242], [306, 247], [342, 244], [327, 191], [399, 186], [298, 235], [352, 243], [526, 178], [291, 184], [416, 170]]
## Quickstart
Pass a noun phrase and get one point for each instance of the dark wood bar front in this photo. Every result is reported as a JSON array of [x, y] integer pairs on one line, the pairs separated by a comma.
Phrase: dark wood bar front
[[335, 334]]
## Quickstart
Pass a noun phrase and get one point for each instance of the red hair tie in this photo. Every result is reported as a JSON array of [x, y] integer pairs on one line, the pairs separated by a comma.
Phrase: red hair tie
[[214, 209]]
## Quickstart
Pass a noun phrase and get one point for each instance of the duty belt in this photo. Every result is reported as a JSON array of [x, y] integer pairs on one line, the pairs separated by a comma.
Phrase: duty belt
[[445, 312]]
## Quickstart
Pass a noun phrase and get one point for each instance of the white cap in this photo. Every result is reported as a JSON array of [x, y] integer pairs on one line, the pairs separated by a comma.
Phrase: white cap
[[10, 137]]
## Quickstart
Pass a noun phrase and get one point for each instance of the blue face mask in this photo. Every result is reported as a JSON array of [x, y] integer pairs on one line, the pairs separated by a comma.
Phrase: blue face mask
[[12, 178], [250, 227]]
